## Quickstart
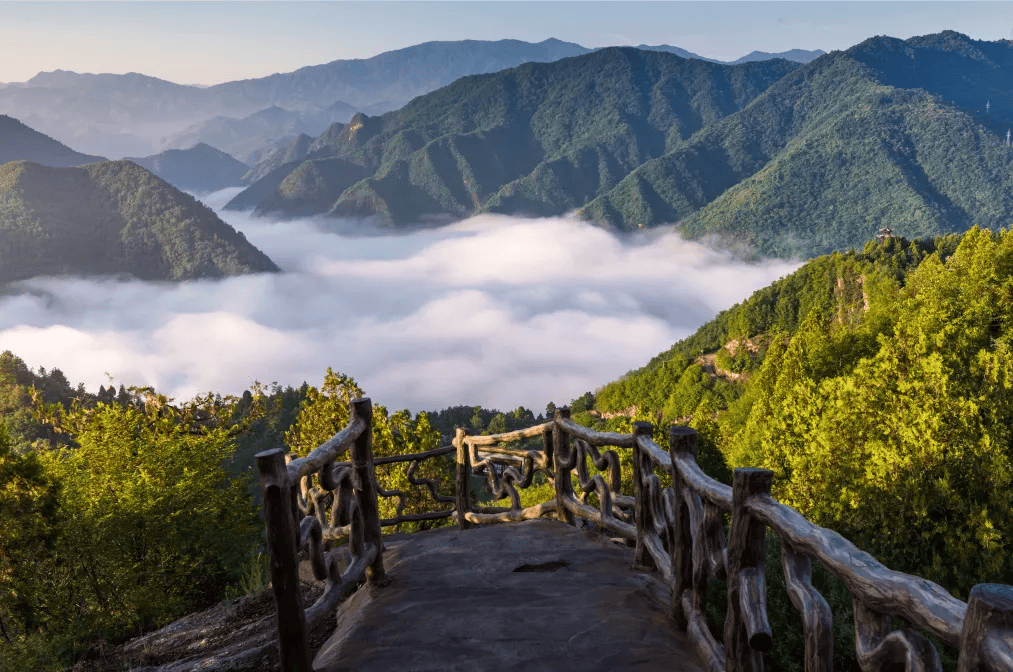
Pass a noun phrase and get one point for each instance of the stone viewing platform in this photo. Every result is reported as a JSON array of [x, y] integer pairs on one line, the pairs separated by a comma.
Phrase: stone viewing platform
[[509, 590], [535, 595]]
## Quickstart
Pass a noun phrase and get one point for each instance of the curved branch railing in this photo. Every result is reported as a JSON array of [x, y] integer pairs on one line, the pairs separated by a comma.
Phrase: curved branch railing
[[677, 531]]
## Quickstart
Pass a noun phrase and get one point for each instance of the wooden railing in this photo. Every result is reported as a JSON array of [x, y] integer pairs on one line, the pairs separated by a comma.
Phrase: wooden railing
[[677, 531]]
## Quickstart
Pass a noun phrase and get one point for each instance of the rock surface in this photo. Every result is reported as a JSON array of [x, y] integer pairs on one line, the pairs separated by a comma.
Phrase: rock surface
[[536, 595]]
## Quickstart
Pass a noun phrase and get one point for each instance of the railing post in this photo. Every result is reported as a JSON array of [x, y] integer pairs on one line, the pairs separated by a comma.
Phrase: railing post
[[561, 450], [747, 632], [986, 640], [463, 478], [642, 516], [682, 441], [282, 541], [362, 465]]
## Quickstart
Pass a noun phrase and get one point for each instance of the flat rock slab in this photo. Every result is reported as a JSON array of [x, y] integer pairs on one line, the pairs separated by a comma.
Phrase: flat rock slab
[[535, 595]]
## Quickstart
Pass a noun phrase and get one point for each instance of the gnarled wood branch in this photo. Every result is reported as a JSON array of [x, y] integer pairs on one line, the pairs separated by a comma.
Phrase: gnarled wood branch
[[922, 603], [879, 649], [747, 632], [591, 436], [517, 435], [329, 449], [710, 651], [510, 515], [817, 619]]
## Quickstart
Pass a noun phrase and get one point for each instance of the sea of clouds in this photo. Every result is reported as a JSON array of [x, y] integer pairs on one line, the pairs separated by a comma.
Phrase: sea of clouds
[[492, 310]]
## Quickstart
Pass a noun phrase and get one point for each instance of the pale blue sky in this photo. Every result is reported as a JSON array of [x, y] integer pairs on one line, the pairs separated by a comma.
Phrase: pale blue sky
[[212, 42]]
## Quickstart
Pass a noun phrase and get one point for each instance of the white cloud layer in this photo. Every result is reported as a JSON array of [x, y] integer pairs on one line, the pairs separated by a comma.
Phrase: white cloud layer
[[492, 310]]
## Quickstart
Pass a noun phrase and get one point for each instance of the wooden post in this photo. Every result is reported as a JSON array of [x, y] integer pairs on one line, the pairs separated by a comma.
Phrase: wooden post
[[561, 449], [747, 632], [463, 478], [642, 516], [282, 538], [547, 451], [366, 492], [986, 639], [682, 441]]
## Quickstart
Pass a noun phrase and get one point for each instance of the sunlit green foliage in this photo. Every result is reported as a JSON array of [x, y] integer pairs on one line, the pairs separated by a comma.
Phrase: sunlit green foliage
[[152, 523], [326, 411]]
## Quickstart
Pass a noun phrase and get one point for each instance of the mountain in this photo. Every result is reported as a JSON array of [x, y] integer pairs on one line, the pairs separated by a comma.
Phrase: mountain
[[131, 113], [21, 143], [677, 51], [109, 218], [540, 139], [295, 150], [201, 169], [905, 134], [797, 55], [876, 386], [253, 138]]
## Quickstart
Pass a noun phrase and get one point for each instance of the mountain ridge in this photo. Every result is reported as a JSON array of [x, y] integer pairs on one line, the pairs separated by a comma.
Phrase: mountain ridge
[[501, 141], [110, 218]]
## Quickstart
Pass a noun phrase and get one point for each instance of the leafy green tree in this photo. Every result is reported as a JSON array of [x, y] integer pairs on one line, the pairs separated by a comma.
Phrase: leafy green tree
[[153, 523], [326, 412], [28, 525], [323, 413]]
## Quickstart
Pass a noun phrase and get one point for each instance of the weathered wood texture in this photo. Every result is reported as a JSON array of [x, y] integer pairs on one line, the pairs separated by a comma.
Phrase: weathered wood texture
[[642, 515], [463, 474], [683, 440], [698, 546], [506, 484], [366, 489], [328, 450], [591, 436], [510, 515], [564, 460], [281, 549], [747, 632], [516, 435], [879, 649], [986, 640], [817, 619], [922, 603]]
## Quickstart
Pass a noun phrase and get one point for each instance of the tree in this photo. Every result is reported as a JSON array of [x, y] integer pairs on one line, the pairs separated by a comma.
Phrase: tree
[[28, 518], [326, 412], [323, 412], [154, 524]]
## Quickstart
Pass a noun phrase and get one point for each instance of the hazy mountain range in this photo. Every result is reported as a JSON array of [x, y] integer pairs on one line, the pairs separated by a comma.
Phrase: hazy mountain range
[[791, 158], [539, 139], [137, 115], [200, 169]]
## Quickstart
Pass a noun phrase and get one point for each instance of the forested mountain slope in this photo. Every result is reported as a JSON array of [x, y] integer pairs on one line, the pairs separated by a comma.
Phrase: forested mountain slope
[[878, 386], [905, 134], [18, 142], [539, 139], [201, 168], [112, 217]]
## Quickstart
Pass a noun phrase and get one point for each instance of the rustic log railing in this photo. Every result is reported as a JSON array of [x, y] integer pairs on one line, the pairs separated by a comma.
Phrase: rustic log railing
[[677, 531]]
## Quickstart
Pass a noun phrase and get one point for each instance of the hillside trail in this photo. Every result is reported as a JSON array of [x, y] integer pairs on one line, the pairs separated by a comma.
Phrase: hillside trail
[[534, 595]]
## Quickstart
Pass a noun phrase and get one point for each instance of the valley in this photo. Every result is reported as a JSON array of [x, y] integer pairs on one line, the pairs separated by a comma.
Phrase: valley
[[802, 254]]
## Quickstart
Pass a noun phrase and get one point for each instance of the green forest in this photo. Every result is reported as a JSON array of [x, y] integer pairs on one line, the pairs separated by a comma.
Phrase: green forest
[[877, 385], [123, 510]]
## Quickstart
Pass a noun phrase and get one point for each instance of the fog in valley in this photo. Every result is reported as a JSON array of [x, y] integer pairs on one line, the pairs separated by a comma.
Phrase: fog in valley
[[492, 310]]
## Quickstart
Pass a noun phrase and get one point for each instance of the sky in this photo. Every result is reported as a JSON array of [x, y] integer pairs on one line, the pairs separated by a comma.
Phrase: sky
[[212, 42], [493, 310]]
